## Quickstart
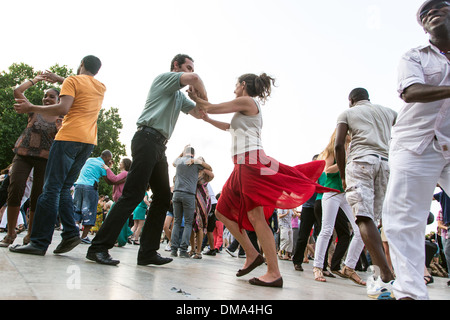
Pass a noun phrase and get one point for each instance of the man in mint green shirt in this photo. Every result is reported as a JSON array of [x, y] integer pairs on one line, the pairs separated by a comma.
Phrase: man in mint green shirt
[[164, 103]]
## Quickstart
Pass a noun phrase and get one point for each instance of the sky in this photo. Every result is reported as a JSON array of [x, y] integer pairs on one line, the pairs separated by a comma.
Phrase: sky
[[317, 51]]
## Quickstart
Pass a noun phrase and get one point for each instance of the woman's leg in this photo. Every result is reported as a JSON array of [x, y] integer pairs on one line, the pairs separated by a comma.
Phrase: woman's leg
[[267, 242], [330, 207], [242, 237]]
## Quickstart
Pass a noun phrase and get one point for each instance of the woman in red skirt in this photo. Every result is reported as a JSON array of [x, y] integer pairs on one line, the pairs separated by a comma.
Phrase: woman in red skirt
[[258, 183]]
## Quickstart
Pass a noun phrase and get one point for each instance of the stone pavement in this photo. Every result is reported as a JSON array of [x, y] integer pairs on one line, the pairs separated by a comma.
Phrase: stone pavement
[[72, 277]]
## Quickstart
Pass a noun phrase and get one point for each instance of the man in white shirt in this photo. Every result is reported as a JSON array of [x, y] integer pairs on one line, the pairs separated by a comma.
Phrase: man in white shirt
[[419, 153]]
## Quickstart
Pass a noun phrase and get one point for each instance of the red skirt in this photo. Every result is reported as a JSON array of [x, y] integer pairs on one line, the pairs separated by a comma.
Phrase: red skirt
[[259, 180]]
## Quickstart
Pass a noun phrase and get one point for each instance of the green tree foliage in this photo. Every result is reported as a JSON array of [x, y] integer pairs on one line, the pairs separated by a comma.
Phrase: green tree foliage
[[12, 124]]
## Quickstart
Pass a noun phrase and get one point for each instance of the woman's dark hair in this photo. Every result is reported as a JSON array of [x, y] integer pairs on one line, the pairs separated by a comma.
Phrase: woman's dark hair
[[258, 86], [55, 89], [92, 64], [180, 58], [126, 164]]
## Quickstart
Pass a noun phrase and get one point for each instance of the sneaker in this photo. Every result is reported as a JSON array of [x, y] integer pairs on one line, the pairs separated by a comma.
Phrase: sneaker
[[231, 253], [167, 247], [86, 240], [174, 253], [377, 289]]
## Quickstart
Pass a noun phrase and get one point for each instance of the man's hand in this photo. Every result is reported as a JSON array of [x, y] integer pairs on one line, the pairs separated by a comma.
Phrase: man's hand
[[192, 93], [344, 184], [22, 105], [51, 77]]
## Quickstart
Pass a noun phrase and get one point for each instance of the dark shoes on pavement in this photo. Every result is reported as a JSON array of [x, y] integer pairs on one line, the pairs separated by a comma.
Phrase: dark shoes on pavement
[[102, 258], [105, 258], [155, 259], [66, 245], [27, 249], [274, 284], [257, 262]]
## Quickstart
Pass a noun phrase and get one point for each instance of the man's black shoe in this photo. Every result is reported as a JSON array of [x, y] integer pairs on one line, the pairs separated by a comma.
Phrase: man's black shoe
[[27, 249], [156, 259], [102, 258], [67, 244]]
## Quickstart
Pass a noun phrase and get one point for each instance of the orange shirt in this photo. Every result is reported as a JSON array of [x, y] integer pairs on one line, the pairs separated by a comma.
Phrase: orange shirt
[[80, 123]]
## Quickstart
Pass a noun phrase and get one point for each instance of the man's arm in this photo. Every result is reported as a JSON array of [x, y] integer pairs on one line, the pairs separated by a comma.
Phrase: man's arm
[[195, 82], [339, 150], [61, 108], [425, 93], [202, 163], [209, 175]]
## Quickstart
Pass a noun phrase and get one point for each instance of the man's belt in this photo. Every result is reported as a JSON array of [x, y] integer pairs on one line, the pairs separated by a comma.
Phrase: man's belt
[[159, 137]]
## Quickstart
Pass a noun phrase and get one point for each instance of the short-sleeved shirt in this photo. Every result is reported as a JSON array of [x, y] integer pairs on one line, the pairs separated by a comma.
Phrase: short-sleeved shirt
[[164, 103], [285, 222], [80, 123], [370, 128], [186, 176], [91, 172], [418, 123]]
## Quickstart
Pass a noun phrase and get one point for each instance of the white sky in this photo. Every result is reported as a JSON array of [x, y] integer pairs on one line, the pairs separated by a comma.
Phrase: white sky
[[317, 50]]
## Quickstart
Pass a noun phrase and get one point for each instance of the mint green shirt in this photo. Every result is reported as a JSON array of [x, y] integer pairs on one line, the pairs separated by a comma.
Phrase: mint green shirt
[[164, 103]]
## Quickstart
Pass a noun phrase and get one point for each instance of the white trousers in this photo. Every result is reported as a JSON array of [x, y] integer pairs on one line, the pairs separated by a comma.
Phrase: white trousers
[[412, 182], [331, 202]]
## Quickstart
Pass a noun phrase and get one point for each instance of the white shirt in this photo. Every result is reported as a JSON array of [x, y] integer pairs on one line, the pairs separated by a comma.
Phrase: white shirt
[[370, 127], [211, 194], [246, 132], [418, 123]]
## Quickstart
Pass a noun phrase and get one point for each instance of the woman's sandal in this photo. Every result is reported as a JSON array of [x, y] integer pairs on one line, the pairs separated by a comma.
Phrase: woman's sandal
[[20, 229], [7, 241], [352, 275], [428, 279], [318, 275]]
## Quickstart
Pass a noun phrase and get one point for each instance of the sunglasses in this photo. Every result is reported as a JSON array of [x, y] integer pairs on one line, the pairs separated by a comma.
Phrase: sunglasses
[[437, 6]]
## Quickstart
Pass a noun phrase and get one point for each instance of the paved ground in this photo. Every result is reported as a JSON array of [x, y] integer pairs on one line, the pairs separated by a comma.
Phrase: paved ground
[[72, 277]]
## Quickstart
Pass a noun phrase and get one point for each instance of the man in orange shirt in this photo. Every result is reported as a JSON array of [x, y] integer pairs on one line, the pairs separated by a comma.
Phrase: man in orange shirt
[[80, 101]]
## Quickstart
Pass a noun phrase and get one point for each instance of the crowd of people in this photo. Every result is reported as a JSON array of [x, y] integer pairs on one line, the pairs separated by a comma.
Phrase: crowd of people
[[380, 168]]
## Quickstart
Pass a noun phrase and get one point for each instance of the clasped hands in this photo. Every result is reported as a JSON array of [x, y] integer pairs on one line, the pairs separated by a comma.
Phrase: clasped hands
[[200, 110], [22, 105]]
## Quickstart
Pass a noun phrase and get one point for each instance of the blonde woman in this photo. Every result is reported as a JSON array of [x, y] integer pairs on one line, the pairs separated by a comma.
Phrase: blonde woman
[[331, 202]]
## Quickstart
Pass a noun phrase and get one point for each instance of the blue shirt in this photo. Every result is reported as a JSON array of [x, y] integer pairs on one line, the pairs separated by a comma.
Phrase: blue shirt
[[444, 200], [91, 172]]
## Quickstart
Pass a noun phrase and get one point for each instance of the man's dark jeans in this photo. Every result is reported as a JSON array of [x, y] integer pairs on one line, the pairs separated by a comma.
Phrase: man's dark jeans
[[149, 167], [65, 161]]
